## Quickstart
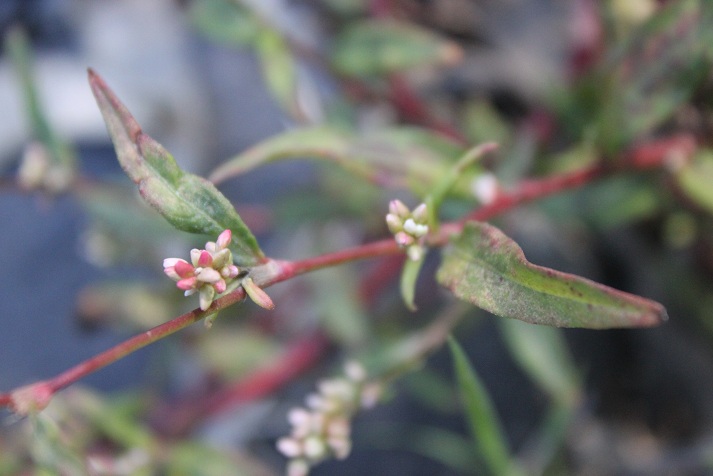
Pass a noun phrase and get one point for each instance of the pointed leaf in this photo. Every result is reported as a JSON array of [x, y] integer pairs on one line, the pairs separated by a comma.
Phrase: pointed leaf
[[190, 203], [488, 269], [404, 157], [482, 418]]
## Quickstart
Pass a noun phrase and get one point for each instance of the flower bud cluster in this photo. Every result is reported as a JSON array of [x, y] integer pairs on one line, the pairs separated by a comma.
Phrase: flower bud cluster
[[409, 227], [323, 429], [208, 273]]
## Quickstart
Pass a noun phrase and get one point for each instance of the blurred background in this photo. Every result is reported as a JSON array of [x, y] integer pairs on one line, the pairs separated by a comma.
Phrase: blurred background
[[559, 85]]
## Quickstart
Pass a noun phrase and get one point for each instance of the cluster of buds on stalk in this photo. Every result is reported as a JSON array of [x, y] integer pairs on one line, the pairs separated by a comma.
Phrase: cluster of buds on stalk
[[323, 429], [408, 227], [208, 273]]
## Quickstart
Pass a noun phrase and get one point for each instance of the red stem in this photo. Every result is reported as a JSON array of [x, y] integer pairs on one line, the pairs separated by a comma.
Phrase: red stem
[[653, 154]]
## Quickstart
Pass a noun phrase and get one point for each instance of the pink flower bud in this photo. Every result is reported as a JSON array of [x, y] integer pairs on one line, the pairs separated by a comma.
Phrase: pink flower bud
[[183, 269], [220, 286], [398, 208], [224, 239], [205, 259], [404, 239], [187, 283]]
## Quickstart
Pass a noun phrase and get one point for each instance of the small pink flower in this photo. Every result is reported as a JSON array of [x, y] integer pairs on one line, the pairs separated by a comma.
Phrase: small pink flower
[[209, 271]]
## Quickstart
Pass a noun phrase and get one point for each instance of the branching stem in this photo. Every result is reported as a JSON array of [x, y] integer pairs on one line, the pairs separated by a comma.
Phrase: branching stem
[[651, 155]]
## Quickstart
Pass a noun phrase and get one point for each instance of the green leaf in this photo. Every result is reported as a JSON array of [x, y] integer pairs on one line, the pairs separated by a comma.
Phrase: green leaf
[[278, 68], [190, 203], [542, 353], [409, 276], [435, 198], [488, 269], [482, 418], [696, 177], [376, 47], [406, 157], [224, 21], [18, 49]]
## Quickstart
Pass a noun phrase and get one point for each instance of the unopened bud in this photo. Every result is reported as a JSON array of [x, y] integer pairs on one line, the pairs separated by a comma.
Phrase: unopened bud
[[257, 295], [398, 208]]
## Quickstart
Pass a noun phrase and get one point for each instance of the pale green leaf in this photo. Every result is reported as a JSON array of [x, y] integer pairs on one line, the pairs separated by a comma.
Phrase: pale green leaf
[[190, 203], [482, 418], [696, 179], [278, 68], [542, 353], [409, 276], [224, 21], [488, 269], [376, 47], [401, 158]]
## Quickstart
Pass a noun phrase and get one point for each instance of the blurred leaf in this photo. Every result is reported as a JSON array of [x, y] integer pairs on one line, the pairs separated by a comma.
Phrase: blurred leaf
[[484, 124], [488, 269], [655, 71], [405, 157], [432, 390], [51, 454], [435, 197], [190, 203], [483, 420], [322, 143], [548, 441], [61, 154], [696, 179], [278, 67], [337, 305], [607, 203], [376, 47], [134, 305], [447, 447], [409, 276], [190, 458], [234, 351], [542, 353], [225, 21]]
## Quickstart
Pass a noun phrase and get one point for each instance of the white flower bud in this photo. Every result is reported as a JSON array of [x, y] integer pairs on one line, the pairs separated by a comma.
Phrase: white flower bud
[[420, 213], [398, 208], [314, 448], [355, 371], [298, 417], [414, 229], [297, 467], [485, 188], [394, 223], [341, 447], [289, 447]]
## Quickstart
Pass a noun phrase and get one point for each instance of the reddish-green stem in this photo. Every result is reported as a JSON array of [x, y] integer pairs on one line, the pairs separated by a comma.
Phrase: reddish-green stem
[[654, 154]]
